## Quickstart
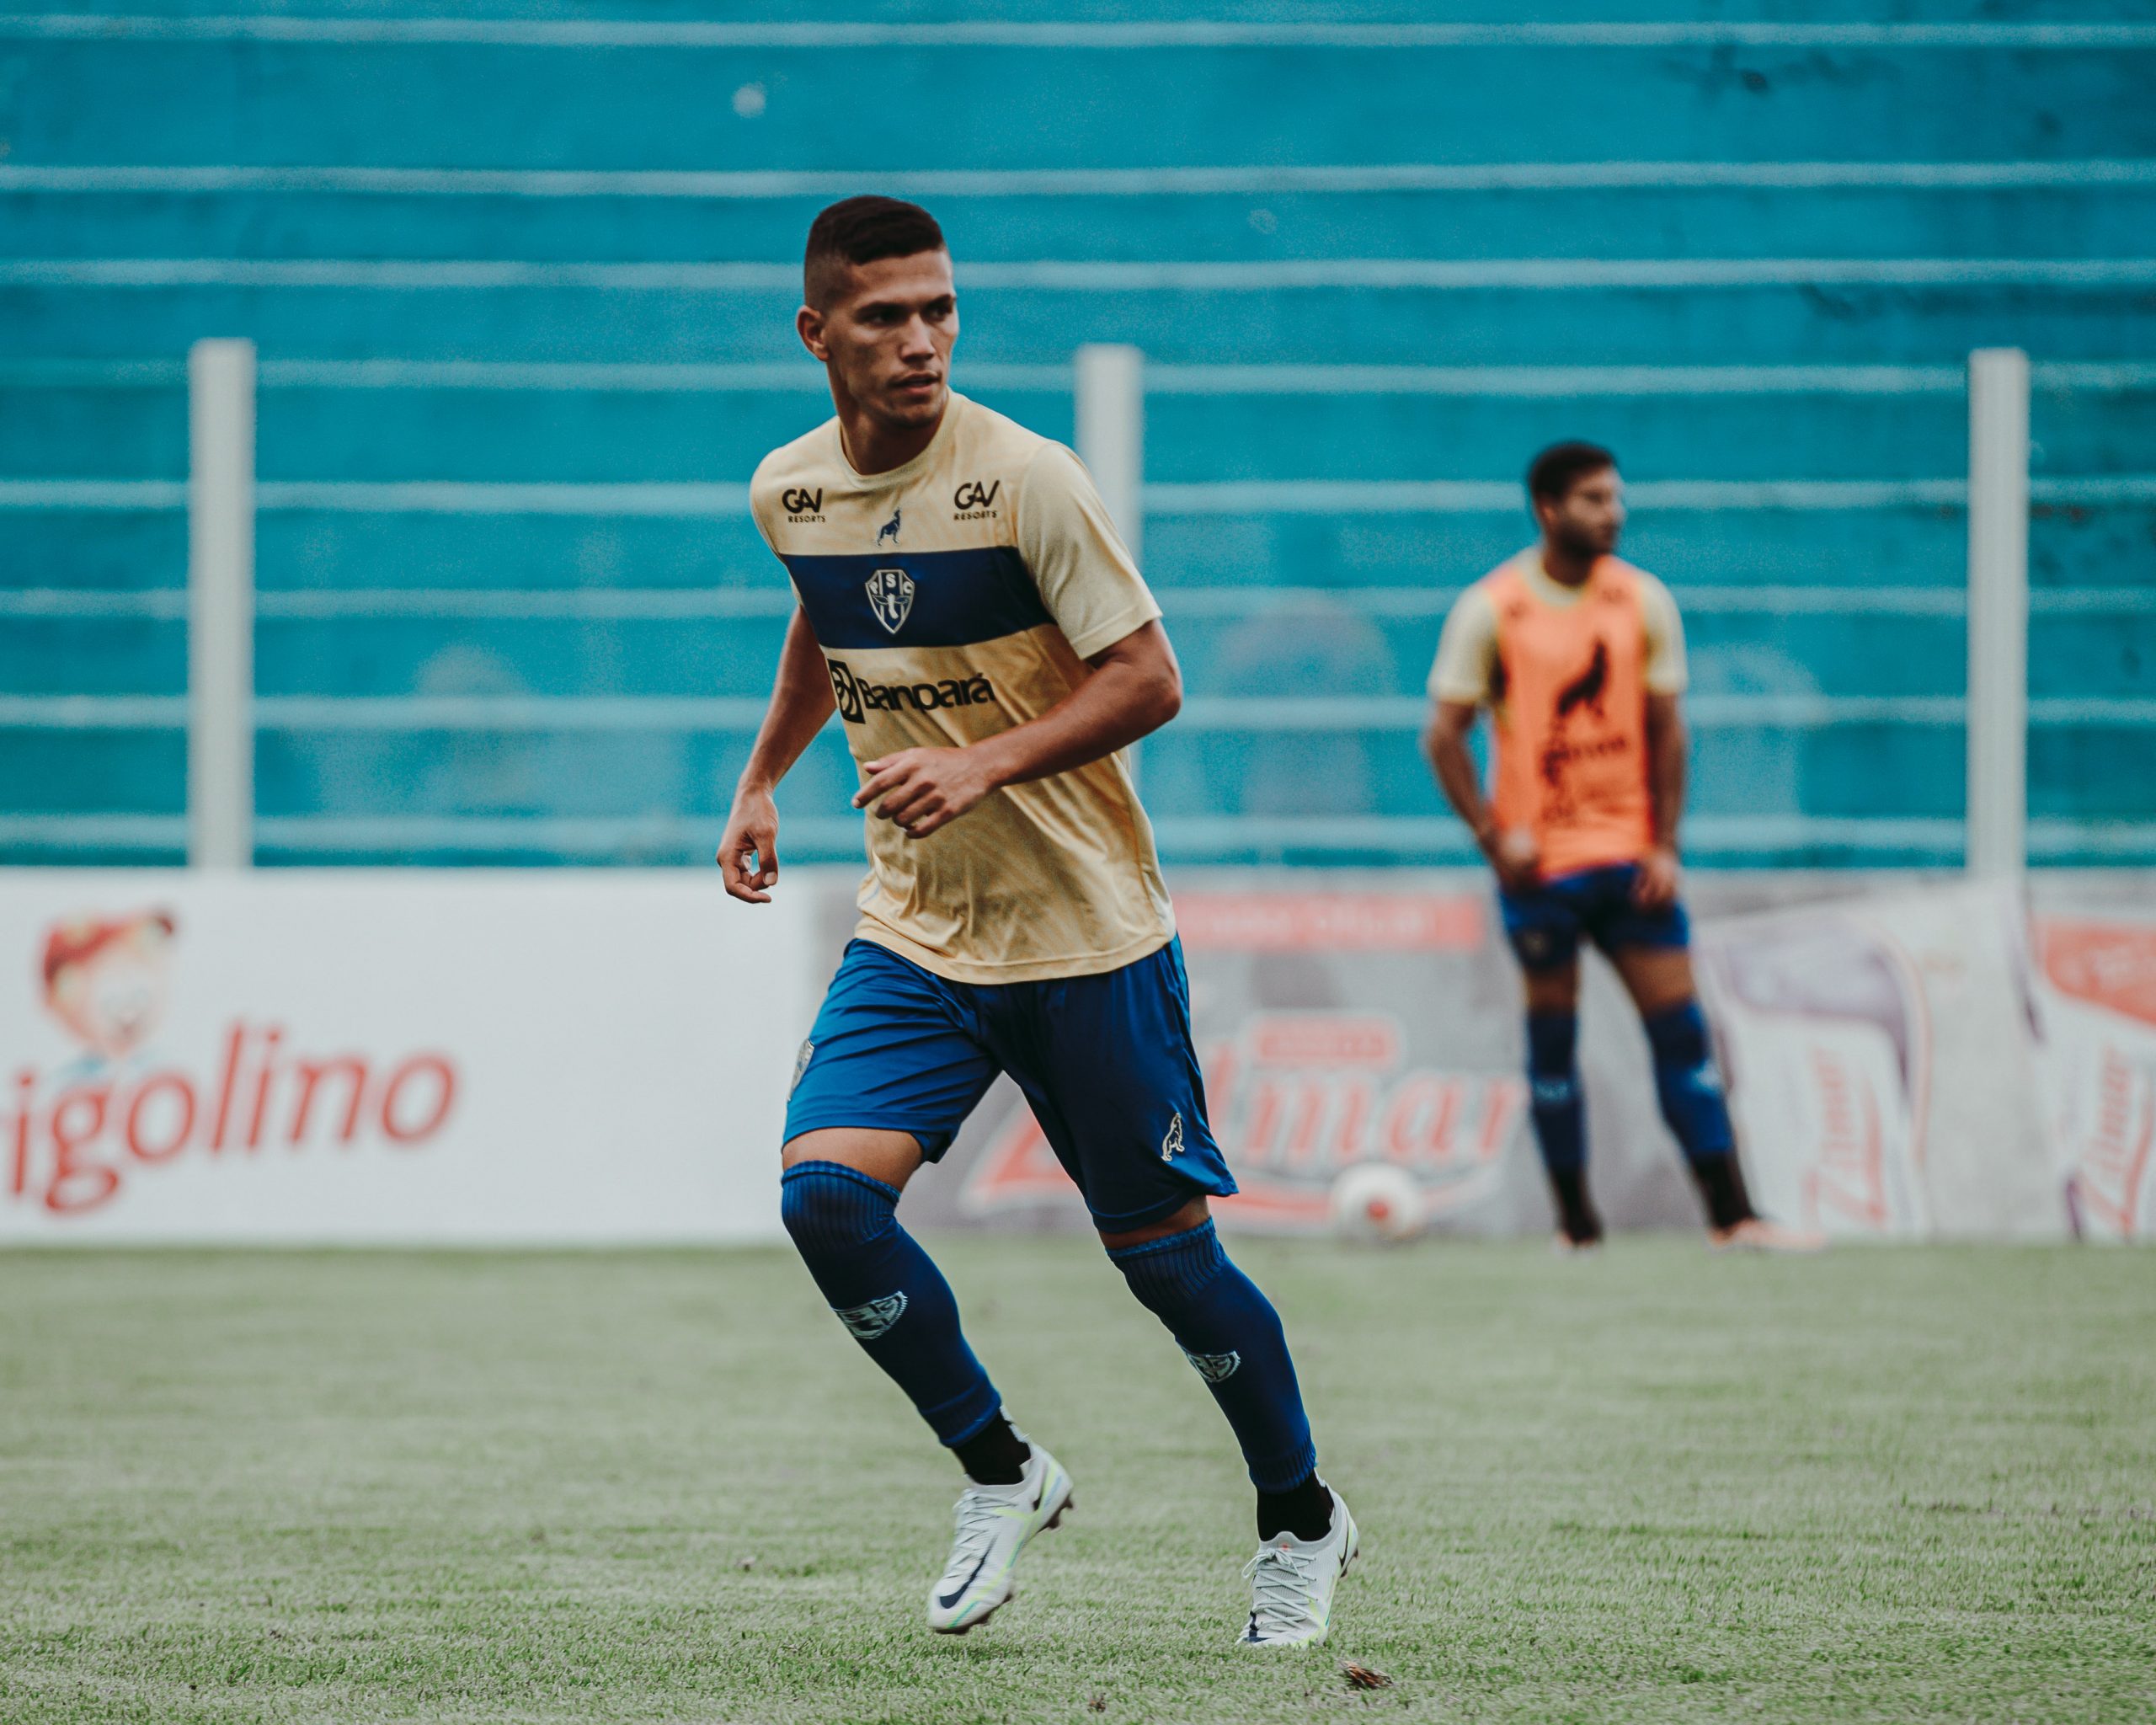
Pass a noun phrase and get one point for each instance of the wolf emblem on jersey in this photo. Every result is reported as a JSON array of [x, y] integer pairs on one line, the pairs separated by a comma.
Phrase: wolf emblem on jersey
[[869, 1321], [1586, 690], [890, 596], [1171, 1145], [889, 531]]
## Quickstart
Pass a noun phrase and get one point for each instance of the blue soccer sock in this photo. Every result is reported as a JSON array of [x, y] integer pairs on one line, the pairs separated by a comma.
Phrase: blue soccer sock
[[1692, 1102], [887, 1292], [1558, 1106], [1230, 1332]]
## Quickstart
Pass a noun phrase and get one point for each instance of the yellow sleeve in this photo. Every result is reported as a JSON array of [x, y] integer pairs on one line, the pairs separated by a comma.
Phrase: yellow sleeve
[[1085, 577], [1666, 672], [1466, 666]]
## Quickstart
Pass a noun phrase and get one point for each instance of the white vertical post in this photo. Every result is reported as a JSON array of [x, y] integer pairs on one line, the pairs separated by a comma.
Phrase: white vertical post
[[1110, 414], [1998, 612], [1111, 403], [221, 605]]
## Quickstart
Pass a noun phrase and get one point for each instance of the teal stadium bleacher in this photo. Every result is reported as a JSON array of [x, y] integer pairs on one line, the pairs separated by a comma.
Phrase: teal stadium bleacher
[[521, 278]]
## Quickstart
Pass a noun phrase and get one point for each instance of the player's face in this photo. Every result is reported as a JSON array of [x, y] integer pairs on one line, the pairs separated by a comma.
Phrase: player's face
[[1587, 520], [888, 338]]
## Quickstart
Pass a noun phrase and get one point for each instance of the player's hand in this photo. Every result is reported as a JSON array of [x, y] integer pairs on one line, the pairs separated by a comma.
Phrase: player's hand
[[919, 790], [748, 855], [1518, 859], [1655, 887]]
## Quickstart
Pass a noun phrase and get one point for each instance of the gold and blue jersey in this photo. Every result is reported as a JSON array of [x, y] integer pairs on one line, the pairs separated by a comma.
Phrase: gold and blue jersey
[[955, 597]]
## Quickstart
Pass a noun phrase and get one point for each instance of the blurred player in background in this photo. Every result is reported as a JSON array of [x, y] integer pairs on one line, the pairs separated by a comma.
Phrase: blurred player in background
[[967, 605], [1579, 659]]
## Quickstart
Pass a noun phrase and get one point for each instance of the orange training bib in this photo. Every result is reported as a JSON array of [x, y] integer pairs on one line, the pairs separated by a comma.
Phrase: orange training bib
[[1572, 725]]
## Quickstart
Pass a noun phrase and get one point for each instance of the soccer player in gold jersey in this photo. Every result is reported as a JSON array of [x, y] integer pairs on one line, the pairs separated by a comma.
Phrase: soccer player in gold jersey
[[969, 611]]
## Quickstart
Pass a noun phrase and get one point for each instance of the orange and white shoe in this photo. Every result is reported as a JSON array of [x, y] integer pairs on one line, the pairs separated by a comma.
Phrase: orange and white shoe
[[1757, 1234]]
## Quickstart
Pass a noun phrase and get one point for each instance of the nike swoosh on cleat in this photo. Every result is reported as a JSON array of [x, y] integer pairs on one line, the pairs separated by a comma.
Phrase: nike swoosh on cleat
[[951, 1598]]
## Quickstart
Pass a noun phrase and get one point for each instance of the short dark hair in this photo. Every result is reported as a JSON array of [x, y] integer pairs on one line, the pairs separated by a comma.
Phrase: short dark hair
[[1553, 473], [860, 231]]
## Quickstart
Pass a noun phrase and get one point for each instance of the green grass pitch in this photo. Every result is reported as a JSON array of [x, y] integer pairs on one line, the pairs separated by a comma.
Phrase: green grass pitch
[[1882, 1485]]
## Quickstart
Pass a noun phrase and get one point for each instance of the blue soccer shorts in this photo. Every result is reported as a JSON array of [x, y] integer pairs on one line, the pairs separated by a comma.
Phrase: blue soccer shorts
[[1546, 923], [1106, 1061]]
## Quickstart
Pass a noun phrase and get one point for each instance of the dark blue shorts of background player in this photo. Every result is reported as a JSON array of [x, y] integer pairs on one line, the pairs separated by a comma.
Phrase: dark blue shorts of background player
[[1546, 923]]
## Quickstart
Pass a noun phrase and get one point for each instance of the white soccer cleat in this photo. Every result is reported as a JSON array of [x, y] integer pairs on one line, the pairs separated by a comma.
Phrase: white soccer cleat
[[995, 1524], [1291, 1583]]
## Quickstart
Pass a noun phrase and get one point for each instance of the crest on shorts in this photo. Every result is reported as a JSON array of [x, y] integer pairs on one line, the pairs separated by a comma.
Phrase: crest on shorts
[[1171, 1145], [869, 1321], [801, 1065], [890, 596], [1213, 1368]]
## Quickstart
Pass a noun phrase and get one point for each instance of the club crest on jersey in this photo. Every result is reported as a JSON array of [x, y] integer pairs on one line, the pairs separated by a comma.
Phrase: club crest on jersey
[[890, 596], [1213, 1368], [1171, 1145], [869, 1321], [889, 531]]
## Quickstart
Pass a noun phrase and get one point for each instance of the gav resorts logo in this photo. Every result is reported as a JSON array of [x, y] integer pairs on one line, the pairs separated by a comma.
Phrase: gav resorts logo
[[72, 1138], [975, 502]]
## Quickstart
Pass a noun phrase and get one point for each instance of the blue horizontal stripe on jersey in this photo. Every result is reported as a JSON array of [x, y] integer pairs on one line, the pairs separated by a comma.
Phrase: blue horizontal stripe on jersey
[[957, 597]]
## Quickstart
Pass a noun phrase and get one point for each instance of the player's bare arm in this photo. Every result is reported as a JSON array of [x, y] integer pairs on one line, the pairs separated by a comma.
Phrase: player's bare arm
[[1667, 748], [1135, 688], [801, 702], [1514, 855]]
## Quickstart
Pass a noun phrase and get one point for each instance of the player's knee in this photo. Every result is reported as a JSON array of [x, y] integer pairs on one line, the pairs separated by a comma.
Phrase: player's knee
[[831, 1209], [1168, 1273], [1678, 1036], [1554, 988]]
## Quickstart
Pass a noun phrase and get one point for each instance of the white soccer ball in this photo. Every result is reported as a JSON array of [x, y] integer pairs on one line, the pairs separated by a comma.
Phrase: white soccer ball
[[1378, 1201]]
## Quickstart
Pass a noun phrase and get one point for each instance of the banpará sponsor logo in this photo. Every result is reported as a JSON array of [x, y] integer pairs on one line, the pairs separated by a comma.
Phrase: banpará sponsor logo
[[858, 699], [70, 1140], [975, 502], [803, 504]]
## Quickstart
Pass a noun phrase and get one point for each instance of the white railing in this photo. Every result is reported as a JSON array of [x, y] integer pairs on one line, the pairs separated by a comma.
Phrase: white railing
[[1111, 385]]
